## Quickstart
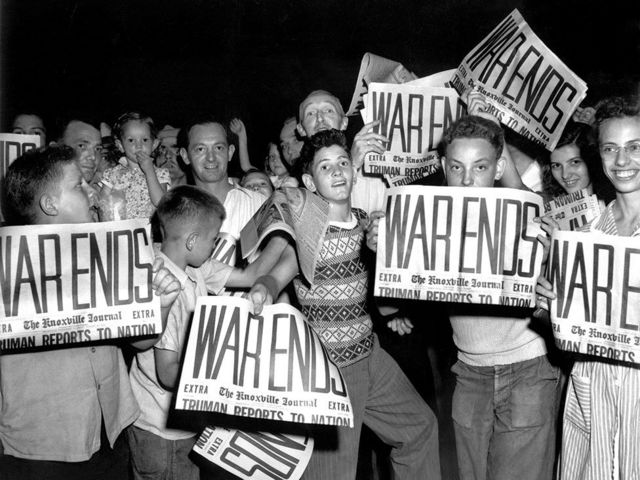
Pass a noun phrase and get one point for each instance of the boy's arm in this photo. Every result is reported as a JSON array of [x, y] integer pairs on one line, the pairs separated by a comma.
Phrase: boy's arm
[[167, 287], [268, 287], [156, 189], [266, 261], [167, 367], [237, 127]]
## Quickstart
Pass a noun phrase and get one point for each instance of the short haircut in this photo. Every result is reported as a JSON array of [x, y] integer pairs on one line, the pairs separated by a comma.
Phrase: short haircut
[[28, 178], [127, 117], [322, 139], [183, 134], [616, 107], [64, 124], [255, 170], [473, 126], [181, 207], [320, 92]]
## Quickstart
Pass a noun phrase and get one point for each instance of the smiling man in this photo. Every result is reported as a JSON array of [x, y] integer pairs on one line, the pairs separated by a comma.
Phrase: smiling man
[[205, 148]]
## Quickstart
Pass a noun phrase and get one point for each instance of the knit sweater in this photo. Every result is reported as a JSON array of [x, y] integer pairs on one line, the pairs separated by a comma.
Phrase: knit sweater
[[336, 303]]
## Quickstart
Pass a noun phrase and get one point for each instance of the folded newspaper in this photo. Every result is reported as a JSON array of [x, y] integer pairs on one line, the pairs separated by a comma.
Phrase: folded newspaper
[[296, 211]]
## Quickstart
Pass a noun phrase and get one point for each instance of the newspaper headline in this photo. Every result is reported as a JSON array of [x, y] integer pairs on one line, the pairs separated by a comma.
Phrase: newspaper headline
[[528, 87], [461, 245], [63, 284], [256, 455], [270, 366], [596, 278], [573, 210]]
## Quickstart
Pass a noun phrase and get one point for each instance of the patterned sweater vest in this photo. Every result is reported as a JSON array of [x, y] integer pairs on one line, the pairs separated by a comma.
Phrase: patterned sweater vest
[[336, 303]]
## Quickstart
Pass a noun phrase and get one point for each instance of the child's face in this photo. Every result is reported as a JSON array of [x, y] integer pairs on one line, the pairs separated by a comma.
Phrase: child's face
[[204, 242], [136, 139], [471, 162], [332, 174], [29, 125], [258, 182], [568, 168], [275, 162], [70, 197]]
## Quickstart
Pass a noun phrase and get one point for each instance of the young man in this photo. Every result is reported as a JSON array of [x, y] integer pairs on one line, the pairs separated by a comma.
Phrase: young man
[[336, 307], [63, 410], [505, 400]]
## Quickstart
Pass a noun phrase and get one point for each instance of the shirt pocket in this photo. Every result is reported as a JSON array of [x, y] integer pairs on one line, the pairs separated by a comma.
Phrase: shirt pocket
[[577, 411]]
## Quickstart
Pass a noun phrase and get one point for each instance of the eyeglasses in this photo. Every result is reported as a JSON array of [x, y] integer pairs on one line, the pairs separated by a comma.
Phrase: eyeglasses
[[611, 150]]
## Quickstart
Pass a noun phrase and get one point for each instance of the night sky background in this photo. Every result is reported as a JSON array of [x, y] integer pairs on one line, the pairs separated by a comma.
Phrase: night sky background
[[257, 59]]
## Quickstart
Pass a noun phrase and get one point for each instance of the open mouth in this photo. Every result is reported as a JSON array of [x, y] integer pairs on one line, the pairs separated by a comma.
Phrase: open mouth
[[625, 174]]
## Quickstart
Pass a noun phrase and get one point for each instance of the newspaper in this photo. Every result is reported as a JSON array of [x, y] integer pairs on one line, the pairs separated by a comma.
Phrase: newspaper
[[414, 120], [376, 69], [596, 278], [461, 245], [296, 211], [65, 284], [256, 455], [573, 210], [530, 90], [270, 366]]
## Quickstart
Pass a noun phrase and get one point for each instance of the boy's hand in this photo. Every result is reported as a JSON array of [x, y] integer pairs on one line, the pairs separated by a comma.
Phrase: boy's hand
[[477, 105], [372, 230], [145, 161], [237, 126], [544, 293], [400, 325], [549, 225], [164, 284], [365, 141], [584, 115], [259, 297]]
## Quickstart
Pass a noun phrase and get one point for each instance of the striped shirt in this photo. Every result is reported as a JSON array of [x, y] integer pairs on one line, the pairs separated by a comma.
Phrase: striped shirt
[[601, 428]]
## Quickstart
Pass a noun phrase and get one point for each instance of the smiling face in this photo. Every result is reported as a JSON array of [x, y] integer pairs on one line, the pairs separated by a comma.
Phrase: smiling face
[[87, 143], [569, 169], [622, 168], [208, 153], [321, 111], [471, 162], [331, 174]]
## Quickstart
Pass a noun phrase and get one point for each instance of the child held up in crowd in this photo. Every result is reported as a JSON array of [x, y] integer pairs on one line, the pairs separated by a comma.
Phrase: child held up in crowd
[[63, 410], [142, 182], [258, 181], [381, 395]]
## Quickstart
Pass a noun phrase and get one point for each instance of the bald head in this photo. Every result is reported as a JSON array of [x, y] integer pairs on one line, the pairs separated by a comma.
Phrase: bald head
[[321, 110]]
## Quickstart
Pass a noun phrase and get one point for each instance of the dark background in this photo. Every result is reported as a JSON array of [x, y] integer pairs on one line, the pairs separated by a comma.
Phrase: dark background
[[257, 59]]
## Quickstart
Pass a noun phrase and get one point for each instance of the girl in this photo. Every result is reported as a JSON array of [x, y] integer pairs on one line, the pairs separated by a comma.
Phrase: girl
[[278, 173], [142, 182]]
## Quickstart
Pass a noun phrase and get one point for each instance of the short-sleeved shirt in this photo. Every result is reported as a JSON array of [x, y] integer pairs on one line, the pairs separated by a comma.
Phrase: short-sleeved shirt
[[134, 185], [155, 402], [53, 403]]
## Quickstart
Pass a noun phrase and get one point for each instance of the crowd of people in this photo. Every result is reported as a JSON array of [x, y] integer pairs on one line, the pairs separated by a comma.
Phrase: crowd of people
[[521, 409]]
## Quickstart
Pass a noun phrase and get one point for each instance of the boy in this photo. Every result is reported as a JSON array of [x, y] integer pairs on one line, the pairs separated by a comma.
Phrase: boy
[[505, 400], [63, 410], [336, 306], [188, 219]]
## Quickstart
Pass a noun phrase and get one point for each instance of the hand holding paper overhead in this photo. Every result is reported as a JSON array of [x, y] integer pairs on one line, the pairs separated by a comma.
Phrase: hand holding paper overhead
[[366, 141], [477, 105]]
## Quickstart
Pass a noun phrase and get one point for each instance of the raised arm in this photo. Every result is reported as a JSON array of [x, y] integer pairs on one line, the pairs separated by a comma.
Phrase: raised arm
[[268, 287]]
